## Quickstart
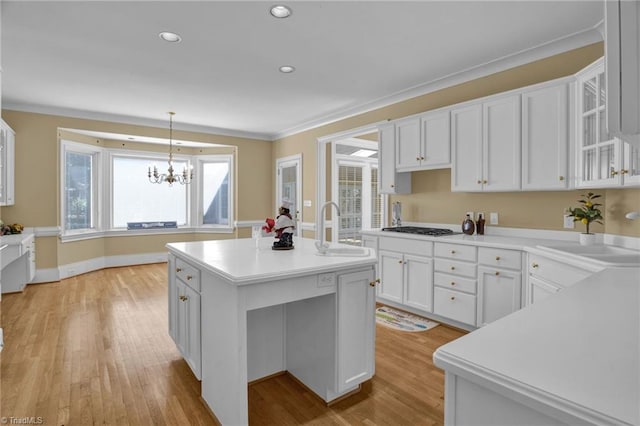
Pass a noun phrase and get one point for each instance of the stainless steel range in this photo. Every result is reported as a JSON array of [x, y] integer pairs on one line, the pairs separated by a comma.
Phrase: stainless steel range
[[433, 232]]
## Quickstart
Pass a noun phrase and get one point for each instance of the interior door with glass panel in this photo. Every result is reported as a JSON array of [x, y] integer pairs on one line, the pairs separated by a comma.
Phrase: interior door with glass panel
[[289, 187]]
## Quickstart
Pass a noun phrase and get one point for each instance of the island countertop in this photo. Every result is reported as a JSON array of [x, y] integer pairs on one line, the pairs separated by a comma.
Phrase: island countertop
[[241, 261], [578, 350]]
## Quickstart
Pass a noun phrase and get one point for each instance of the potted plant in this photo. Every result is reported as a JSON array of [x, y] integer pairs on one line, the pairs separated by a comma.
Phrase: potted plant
[[587, 213]]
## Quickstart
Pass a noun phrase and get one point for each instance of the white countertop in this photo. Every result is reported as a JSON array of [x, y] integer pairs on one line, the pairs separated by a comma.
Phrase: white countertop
[[579, 349], [241, 262]]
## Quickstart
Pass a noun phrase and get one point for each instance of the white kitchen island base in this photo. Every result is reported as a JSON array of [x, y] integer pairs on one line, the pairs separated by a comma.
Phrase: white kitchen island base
[[264, 312]]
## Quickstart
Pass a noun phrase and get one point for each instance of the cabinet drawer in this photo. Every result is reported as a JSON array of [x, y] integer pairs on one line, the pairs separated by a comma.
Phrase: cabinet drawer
[[454, 282], [455, 305], [456, 251], [406, 245], [454, 267], [556, 272], [188, 274], [500, 258]]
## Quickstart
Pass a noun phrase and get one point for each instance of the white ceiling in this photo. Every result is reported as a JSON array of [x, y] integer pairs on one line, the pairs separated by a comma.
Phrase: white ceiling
[[104, 59]]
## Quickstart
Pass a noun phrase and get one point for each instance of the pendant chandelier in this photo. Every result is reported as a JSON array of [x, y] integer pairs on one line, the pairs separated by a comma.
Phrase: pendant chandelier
[[182, 178]]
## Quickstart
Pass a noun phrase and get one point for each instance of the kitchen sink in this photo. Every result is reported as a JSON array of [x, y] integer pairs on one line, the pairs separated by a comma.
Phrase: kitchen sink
[[599, 252], [345, 251]]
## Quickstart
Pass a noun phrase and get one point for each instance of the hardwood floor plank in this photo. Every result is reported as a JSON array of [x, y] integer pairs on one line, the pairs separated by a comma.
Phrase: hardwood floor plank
[[95, 349]]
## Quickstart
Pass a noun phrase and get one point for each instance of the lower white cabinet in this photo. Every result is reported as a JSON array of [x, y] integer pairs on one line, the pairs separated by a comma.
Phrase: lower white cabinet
[[406, 272], [18, 261], [184, 312], [499, 283], [356, 329]]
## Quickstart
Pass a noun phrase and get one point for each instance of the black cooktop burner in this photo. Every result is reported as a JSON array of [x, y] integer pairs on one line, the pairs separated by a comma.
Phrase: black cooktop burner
[[434, 232]]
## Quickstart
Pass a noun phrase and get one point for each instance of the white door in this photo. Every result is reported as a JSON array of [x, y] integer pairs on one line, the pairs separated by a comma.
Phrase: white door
[[289, 187]]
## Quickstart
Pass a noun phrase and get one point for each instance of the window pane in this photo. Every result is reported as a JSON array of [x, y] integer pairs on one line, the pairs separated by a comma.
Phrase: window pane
[[350, 191], [589, 98], [589, 129], [607, 161], [215, 193], [376, 201], [135, 199], [78, 191], [589, 164]]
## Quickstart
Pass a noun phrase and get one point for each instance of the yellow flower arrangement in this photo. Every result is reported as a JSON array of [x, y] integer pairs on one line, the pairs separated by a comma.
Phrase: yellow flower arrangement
[[589, 212]]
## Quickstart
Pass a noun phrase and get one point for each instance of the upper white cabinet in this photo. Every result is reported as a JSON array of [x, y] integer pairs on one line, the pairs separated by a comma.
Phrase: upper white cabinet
[[486, 140], [601, 159], [7, 153], [545, 138], [391, 182], [622, 52], [423, 142]]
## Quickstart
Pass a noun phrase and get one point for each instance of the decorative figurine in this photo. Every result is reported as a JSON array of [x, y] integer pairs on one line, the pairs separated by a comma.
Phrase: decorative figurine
[[283, 227]]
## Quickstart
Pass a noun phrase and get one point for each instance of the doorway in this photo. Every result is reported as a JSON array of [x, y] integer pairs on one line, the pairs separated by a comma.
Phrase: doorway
[[289, 187]]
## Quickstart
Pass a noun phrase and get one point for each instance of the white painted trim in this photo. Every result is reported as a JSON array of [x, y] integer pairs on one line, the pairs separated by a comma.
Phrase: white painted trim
[[573, 41], [136, 121], [280, 163], [44, 231]]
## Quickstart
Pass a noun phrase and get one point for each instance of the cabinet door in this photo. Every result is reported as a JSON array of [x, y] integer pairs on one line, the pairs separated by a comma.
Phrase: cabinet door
[[173, 299], [502, 142], [390, 181], [391, 276], [499, 293], [631, 168], [418, 282], [466, 145], [436, 139], [181, 324], [192, 344], [539, 289], [7, 154], [408, 152], [545, 138], [356, 333]]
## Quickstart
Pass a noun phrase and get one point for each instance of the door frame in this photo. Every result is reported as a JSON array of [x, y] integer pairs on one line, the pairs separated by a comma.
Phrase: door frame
[[281, 162]]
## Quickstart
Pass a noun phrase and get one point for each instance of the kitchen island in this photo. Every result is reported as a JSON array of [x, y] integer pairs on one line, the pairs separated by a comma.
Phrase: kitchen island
[[239, 312], [569, 359]]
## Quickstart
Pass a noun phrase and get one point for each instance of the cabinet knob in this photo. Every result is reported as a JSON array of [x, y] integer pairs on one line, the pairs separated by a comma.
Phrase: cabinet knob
[[392, 185], [178, 269], [453, 298], [484, 181], [417, 158], [497, 272], [453, 268], [624, 171], [453, 252], [189, 277], [372, 283], [561, 178], [183, 298], [453, 283], [479, 181], [378, 280], [534, 265], [422, 158], [399, 261], [613, 173], [497, 257]]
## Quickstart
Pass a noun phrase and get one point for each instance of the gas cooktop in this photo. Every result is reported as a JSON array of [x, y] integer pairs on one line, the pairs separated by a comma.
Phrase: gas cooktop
[[433, 232]]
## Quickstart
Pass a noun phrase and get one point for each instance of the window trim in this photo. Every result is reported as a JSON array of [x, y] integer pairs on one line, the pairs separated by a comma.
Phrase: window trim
[[103, 193]]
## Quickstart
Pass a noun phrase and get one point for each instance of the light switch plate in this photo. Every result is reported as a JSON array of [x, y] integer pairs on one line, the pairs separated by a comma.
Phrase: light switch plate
[[307, 203], [493, 218]]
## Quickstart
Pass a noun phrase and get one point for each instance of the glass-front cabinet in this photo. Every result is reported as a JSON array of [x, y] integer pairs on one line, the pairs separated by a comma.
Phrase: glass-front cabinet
[[602, 160]]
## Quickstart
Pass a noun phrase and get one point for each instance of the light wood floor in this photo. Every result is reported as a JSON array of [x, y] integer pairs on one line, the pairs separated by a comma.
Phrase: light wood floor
[[94, 349]]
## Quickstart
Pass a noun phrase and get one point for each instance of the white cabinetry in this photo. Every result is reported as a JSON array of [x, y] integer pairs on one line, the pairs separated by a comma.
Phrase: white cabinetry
[[622, 53], [603, 160], [7, 164], [545, 138], [18, 261], [455, 282], [499, 283], [356, 330], [391, 182], [547, 276], [406, 272], [423, 142], [486, 139], [184, 311]]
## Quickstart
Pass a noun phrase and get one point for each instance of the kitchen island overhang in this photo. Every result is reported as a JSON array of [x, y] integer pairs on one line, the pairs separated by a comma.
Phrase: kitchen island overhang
[[263, 312]]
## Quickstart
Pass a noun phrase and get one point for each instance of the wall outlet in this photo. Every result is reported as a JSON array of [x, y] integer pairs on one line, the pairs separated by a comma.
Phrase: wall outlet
[[471, 215], [493, 218], [568, 222]]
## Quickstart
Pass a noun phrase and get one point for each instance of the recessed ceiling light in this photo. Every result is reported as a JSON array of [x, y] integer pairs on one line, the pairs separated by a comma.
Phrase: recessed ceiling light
[[170, 37], [280, 11], [287, 69]]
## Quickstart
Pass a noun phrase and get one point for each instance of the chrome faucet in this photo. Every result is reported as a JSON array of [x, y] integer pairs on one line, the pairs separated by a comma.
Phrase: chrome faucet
[[321, 245]]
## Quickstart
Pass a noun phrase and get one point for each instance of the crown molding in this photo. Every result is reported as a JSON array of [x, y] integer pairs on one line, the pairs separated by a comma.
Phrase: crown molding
[[554, 47]]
